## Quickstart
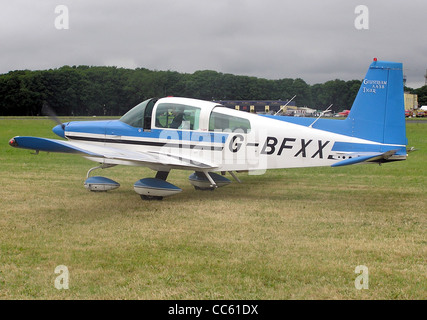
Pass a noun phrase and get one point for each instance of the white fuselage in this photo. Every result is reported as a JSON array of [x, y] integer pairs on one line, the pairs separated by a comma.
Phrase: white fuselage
[[267, 143]]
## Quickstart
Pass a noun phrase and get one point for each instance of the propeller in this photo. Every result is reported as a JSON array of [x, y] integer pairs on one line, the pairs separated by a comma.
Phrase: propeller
[[48, 111]]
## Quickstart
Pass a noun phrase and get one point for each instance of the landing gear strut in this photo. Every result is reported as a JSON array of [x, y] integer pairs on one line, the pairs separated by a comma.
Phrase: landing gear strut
[[207, 180]]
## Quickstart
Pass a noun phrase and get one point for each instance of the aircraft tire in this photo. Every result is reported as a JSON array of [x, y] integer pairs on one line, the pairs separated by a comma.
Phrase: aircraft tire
[[149, 198], [204, 189]]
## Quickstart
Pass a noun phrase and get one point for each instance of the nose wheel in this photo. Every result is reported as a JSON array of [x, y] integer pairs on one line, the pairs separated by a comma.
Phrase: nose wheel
[[100, 184]]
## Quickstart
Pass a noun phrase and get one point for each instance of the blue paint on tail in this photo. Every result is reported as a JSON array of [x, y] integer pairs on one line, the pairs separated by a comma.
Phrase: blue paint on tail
[[378, 112]]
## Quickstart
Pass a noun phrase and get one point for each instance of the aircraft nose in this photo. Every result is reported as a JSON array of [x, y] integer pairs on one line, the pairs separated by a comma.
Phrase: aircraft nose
[[59, 130]]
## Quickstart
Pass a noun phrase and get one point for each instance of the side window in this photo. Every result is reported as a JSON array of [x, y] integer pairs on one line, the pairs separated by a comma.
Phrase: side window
[[224, 122], [177, 116]]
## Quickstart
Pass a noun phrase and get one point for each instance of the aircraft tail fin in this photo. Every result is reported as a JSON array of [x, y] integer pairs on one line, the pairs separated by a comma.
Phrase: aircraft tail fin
[[378, 112]]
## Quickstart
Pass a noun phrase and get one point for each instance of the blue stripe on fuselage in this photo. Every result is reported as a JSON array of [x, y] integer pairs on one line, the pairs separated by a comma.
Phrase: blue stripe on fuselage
[[119, 128]]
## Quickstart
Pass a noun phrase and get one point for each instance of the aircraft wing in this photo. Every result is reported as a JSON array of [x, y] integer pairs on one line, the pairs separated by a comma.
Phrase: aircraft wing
[[105, 152]]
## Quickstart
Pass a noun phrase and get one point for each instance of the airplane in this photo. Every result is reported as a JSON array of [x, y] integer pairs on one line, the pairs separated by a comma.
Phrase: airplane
[[205, 137]]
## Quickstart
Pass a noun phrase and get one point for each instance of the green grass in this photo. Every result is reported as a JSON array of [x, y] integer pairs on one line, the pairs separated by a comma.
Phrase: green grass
[[287, 234]]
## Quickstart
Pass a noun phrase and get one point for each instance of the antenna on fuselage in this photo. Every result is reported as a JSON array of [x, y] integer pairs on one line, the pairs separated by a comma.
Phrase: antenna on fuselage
[[321, 114], [281, 108]]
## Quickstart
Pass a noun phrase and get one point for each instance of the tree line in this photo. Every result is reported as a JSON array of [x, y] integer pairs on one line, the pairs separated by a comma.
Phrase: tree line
[[112, 91]]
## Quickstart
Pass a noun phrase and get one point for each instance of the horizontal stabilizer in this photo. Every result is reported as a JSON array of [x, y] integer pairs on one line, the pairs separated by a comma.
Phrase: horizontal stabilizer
[[377, 157]]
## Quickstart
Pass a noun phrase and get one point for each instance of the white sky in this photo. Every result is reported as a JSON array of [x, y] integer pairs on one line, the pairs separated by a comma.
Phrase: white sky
[[313, 40]]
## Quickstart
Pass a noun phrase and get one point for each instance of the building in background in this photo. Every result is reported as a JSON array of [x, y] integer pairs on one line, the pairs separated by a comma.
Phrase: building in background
[[411, 104], [258, 106]]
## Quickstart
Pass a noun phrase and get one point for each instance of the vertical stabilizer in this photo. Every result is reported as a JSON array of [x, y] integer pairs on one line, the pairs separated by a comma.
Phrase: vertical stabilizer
[[378, 112]]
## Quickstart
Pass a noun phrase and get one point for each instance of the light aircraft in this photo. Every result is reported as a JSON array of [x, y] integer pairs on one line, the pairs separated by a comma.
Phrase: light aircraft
[[205, 137]]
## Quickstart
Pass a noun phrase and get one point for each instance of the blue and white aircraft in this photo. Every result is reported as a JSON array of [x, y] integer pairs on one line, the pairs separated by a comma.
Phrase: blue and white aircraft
[[205, 137]]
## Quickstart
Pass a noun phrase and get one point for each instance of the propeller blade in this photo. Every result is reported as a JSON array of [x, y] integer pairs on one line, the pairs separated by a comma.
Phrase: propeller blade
[[48, 111]]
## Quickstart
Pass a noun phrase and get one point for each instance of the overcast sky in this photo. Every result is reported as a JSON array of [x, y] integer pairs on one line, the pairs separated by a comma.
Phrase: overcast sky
[[315, 40]]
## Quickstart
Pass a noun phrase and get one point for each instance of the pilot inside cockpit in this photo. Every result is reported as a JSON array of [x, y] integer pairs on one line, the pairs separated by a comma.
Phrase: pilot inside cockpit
[[178, 114]]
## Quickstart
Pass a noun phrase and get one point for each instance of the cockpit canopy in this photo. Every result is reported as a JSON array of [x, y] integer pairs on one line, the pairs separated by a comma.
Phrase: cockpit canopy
[[175, 115]]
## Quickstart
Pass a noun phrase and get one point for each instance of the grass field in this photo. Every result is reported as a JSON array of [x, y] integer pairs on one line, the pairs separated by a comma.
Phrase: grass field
[[287, 234]]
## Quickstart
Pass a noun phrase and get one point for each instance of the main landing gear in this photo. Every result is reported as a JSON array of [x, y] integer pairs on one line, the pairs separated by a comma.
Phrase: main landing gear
[[157, 188], [207, 180]]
